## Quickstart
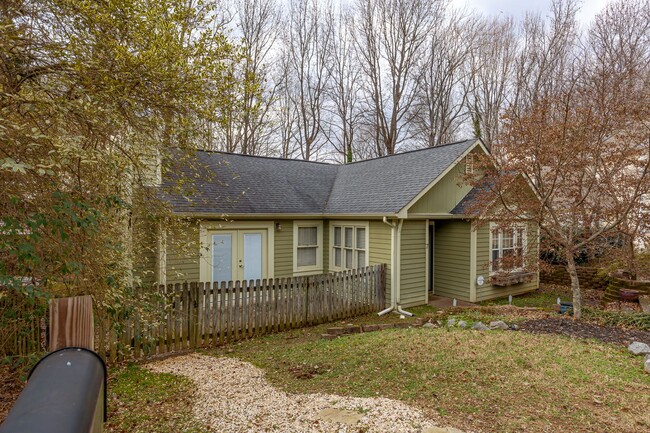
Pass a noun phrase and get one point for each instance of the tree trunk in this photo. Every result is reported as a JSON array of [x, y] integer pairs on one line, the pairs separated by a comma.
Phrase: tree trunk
[[575, 285]]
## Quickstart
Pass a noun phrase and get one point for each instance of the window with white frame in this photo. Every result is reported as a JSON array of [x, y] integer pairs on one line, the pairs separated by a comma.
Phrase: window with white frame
[[507, 248], [349, 246], [308, 246]]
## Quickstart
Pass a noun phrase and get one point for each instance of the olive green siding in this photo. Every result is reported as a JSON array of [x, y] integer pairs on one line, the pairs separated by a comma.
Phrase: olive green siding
[[452, 259], [413, 265], [283, 249], [379, 234], [487, 291], [445, 194], [183, 253], [145, 259]]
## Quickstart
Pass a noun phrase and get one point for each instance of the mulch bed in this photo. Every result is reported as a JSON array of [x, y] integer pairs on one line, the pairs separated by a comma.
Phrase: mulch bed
[[579, 329]]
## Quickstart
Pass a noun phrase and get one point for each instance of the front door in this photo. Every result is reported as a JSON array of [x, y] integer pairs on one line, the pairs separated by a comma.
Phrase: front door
[[238, 255]]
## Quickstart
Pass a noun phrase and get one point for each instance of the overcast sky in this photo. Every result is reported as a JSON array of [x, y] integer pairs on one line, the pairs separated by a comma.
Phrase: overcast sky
[[517, 8]]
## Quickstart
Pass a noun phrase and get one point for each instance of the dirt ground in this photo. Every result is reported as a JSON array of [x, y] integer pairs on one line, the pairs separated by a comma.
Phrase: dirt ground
[[578, 329], [10, 387]]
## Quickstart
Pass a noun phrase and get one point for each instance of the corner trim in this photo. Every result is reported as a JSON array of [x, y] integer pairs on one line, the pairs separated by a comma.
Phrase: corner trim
[[472, 262]]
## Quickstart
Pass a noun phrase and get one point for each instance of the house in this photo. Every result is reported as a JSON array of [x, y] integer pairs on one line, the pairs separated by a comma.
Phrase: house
[[269, 218]]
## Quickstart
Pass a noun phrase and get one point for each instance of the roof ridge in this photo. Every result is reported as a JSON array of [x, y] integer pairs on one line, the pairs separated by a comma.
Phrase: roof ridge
[[410, 151], [265, 157]]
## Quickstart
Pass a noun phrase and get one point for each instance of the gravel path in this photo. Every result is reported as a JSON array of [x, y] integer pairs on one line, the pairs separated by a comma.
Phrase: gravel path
[[234, 396]]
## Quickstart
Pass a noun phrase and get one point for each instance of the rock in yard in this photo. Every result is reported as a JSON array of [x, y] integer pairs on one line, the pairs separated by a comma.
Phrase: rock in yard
[[638, 348], [480, 326], [329, 336], [514, 327], [646, 364], [429, 325], [462, 324], [451, 322], [342, 416], [498, 324]]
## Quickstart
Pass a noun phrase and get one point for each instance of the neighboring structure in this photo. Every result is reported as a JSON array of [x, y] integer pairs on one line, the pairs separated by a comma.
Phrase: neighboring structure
[[270, 218]]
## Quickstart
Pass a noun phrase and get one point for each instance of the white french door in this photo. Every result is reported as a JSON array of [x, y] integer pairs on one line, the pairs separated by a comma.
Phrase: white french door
[[238, 255]]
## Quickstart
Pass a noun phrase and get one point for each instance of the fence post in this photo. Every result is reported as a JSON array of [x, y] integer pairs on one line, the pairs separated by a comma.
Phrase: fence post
[[71, 323], [307, 281]]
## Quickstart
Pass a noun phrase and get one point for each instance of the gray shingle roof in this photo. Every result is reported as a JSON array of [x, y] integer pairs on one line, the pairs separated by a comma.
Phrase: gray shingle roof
[[388, 184], [238, 184]]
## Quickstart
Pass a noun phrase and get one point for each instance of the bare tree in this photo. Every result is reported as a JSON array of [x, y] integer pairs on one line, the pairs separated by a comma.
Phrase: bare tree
[[619, 44], [247, 125], [445, 69], [585, 148], [343, 90], [307, 42], [492, 63], [547, 54], [390, 37]]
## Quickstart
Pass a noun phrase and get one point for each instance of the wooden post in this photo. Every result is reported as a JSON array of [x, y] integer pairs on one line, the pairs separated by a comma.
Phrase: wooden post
[[71, 323]]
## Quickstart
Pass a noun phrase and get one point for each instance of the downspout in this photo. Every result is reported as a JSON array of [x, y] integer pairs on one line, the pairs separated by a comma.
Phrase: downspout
[[392, 274], [395, 244], [398, 271]]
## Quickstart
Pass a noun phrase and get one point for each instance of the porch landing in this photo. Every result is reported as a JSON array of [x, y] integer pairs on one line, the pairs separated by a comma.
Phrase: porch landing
[[443, 302]]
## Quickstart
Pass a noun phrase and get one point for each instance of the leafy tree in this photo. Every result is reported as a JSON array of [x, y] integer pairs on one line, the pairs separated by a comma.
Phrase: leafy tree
[[93, 95]]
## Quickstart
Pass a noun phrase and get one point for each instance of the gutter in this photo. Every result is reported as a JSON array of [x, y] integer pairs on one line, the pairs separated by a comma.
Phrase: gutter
[[395, 248]]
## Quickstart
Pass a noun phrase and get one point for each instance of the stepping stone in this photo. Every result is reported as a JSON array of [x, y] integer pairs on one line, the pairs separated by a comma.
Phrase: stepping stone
[[644, 301], [403, 325], [329, 336], [441, 430], [352, 329], [336, 331], [370, 328], [342, 416]]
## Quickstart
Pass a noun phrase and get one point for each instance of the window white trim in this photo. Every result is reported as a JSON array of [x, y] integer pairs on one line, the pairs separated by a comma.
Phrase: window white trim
[[354, 225], [208, 228], [318, 268], [517, 229]]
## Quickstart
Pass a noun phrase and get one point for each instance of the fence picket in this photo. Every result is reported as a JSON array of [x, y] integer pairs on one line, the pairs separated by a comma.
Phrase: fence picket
[[199, 314]]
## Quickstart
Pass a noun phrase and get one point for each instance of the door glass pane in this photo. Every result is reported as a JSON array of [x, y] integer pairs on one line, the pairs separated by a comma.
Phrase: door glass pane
[[221, 257], [307, 256], [307, 236], [252, 256], [337, 236], [348, 237], [361, 238]]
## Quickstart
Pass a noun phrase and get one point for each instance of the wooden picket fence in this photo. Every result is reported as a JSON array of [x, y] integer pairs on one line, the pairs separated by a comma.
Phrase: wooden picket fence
[[193, 315]]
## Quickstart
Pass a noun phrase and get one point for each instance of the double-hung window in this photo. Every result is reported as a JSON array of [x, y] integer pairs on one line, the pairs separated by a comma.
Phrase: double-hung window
[[308, 246], [349, 246], [507, 248]]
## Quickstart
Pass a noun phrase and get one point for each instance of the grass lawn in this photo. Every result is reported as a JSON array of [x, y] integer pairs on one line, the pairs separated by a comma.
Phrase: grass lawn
[[486, 381], [544, 298], [140, 402]]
